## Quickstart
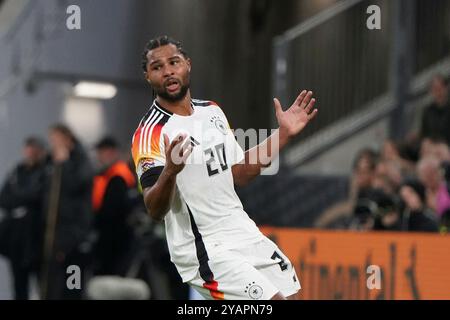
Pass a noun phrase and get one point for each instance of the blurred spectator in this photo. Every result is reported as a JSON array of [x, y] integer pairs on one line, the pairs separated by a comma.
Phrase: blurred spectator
[[362, 179], [377, 182], [436, 117], [20, 197], [392, 153], [363, 171], [432, 175], [435, 148], [388, 176], [416, 216], [112, 204], [68, 212], [446, 169]]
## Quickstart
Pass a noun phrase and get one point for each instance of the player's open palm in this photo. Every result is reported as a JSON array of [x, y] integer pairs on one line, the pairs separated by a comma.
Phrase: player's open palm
[[177, 152], [294, 119]]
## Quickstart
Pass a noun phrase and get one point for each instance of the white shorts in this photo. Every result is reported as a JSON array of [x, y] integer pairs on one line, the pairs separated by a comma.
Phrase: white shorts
[[257, 272]]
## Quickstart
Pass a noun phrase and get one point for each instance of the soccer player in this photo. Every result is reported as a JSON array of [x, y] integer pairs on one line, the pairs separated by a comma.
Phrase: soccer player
[[188, 161]]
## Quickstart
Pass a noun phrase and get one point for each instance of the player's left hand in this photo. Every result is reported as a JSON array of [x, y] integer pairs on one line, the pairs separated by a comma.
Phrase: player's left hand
[[295, 119]]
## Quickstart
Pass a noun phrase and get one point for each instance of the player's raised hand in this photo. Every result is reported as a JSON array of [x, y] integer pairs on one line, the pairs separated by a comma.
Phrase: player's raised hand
[[177, 153], [301, 112]]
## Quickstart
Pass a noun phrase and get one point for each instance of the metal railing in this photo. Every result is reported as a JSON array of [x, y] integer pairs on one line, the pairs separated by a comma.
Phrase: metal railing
[[352, 69], [336, 56]]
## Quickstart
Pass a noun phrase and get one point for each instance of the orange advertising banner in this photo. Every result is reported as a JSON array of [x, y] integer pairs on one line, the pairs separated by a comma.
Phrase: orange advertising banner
[[372, 265]]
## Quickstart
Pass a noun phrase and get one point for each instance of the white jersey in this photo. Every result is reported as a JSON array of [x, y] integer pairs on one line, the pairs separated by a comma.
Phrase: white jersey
[[206, 215]]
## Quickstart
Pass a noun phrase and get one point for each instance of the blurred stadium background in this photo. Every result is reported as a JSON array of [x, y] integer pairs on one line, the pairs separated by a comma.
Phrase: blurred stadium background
[[372, 87]]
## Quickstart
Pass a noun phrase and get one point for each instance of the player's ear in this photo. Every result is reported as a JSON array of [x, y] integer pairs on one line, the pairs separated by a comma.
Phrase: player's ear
[[188, 61], [147, 77]]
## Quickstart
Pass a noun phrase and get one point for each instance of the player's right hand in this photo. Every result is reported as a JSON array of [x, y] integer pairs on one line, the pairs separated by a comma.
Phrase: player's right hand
[[177, 153]]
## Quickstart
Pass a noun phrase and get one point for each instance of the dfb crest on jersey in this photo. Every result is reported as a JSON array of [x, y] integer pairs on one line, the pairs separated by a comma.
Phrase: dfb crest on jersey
[[254, 291], [220, 125]]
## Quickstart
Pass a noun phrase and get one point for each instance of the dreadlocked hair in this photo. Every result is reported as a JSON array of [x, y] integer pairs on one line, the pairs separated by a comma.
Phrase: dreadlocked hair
[[159, 42]]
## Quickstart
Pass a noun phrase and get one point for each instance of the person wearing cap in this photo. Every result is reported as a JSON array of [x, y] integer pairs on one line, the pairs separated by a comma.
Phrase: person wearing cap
[[21, 230], [112, 204]]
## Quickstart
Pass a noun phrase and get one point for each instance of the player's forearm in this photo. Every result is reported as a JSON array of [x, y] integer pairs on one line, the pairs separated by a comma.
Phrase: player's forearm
[[157, 198], [260, 157]]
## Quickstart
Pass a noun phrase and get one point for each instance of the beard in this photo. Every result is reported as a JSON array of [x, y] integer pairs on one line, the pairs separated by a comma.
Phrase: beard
[[163, 93]]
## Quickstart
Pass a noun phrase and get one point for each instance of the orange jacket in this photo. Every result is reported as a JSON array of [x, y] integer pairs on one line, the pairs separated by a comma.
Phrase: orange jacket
[[118, 169]]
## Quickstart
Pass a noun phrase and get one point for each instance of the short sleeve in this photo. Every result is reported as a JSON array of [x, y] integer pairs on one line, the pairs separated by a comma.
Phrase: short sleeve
[[148, 154], [237, 152]]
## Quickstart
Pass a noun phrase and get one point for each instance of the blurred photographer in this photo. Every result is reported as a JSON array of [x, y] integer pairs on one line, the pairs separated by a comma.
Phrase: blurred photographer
[[388, 214], [363, 215], [376, 210], [361, 182]]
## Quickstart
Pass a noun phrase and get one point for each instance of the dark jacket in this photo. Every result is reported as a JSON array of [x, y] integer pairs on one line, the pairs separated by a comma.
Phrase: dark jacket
[[420, 221], [114, 231], [20, 199], [436, 123], [69, 185]]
